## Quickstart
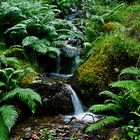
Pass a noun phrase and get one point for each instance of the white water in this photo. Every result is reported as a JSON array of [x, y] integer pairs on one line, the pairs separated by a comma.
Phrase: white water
[[75, 100], [79, 113]]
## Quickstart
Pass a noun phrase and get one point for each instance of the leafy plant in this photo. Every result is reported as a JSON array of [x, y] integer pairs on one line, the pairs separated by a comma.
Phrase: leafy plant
[[131, 130], [124, 106], [10, 90], [46, 134]]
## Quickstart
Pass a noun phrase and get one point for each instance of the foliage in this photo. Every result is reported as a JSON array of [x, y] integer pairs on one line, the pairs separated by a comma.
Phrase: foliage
[[63, 4], [10, 91], [124, 106], [107, 56], [131, 130], [35, 43], [46, 134], [36, 27], [96, 16]]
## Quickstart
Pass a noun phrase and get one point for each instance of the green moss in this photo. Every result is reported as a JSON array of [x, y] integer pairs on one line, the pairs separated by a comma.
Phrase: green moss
[[134, 32], [112, 27], [111, 53]]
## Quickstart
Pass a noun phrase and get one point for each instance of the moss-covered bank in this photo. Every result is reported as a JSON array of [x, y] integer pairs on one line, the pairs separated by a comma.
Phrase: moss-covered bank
[[108, 56]]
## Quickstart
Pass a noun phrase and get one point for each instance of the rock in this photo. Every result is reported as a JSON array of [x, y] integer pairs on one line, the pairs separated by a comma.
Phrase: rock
[[55, 98], [27, 133], [67, 56], [35, 137], [109, 55]]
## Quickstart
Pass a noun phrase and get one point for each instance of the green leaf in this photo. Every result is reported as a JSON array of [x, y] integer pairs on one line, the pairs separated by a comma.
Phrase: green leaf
[[9, 115], [131, 135], [104, 107], [35, 43], [4, 132], [27, 96], [107, 121], [2, 84], [53, 52], [131, 70]]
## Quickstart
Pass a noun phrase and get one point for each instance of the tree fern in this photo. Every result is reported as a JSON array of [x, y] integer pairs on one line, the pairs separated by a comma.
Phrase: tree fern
[[107, 121], [27, 96], [9, 115]]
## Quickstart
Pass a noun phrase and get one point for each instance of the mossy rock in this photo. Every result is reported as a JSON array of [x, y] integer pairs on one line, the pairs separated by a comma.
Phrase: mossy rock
[[112, 27], [108, 56], [134, 32]]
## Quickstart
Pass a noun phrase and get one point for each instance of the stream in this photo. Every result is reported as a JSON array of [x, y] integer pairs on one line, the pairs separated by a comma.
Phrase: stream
[[61, 127]]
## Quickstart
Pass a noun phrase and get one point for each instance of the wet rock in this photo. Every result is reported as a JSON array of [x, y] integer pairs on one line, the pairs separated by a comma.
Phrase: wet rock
[[55, 98], [68, 55]]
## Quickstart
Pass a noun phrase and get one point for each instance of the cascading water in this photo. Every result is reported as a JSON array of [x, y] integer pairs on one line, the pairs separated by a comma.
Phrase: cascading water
[[78, 109], [75, 100]]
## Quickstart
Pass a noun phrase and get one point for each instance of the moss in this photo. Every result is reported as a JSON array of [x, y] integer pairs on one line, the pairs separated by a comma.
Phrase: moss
[[134, 32], [113, 53], [112, 27], [28, 79]]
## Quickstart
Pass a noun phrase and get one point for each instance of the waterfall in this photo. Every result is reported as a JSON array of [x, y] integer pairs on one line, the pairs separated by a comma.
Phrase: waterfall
[[75, 100], [76, 63], [58, 64], [78, 110]]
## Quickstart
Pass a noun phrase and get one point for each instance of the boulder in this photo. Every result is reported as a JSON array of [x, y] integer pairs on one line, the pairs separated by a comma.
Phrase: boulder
[[108, 56], [55, 98]]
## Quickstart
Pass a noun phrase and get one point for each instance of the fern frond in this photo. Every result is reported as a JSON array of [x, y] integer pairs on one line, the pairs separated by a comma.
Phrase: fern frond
[[9, 115], [27, 96], [104, 107], [13, 49], [35, 43], [53, 52], [131, 70], [109, 94], [107, 121], [4, 132], [10, 61], [127, 85]]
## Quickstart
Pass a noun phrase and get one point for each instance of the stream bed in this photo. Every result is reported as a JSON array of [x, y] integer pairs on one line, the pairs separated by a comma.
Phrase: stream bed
[[32, 128]]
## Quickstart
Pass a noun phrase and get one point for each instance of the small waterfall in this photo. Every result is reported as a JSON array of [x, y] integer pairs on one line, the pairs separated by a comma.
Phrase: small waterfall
[[75, 100], [58, 64], [76, 63], [78, 110]]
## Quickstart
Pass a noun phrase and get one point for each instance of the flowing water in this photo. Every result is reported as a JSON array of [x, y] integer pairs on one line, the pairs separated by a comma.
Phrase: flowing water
[[79, 113], [75, 100]]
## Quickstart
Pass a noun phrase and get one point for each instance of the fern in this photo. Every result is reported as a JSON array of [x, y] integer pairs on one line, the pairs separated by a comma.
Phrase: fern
[[9, 115], [10, 61], [109, 94], [104, 107], [35, 43], [4, 132], [27, 96], [127, 85], [107, 121], [131, 70], [13, 49], [53, 52]]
